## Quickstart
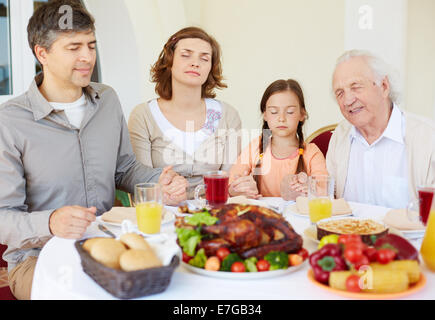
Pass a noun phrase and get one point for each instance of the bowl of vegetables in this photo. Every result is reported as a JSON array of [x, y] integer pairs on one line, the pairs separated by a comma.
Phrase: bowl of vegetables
[[222, 244]]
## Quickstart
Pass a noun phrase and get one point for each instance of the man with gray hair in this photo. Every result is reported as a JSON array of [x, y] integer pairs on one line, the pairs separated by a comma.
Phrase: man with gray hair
[[64, 145], [379, 154]]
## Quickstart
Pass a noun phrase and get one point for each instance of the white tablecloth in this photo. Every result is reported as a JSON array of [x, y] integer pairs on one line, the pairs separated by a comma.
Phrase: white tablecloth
[[59, 275]]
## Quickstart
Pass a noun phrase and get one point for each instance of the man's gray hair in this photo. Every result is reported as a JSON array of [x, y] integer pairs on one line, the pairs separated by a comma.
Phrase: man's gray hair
[[380, 69]]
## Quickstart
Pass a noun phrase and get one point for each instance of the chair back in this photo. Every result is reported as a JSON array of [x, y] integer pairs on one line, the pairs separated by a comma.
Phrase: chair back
[[3, 264], [321, 138]]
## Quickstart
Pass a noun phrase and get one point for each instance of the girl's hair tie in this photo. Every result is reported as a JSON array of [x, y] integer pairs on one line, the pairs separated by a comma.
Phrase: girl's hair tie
[[261, 156], [301, 151]]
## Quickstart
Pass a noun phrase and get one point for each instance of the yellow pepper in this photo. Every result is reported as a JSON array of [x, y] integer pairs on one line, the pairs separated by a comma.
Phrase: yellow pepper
[[332, 238]]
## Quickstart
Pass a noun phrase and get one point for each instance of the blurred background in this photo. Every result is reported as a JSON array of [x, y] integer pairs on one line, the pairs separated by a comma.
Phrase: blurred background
[[261, 41]]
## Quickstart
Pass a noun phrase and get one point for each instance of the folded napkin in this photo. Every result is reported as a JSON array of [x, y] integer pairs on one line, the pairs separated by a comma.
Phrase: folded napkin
[[164, 245], [339, 206], [398, 218]]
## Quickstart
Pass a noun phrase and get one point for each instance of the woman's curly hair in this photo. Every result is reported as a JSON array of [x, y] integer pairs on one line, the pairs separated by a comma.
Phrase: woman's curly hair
[[161, 71]]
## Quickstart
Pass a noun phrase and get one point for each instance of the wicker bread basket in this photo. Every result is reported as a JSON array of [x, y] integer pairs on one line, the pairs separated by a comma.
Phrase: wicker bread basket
[[127, 285]]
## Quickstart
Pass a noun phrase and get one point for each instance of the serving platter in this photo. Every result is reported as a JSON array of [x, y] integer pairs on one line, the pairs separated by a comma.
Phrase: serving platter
[[243, 275], [370, 296]]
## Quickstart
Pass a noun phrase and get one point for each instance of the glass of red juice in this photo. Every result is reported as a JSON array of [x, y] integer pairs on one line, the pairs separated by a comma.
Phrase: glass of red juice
[[216, 188], [425, 197]]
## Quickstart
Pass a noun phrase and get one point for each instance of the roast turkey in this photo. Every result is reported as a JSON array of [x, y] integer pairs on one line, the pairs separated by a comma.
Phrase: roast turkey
[[248, 230]]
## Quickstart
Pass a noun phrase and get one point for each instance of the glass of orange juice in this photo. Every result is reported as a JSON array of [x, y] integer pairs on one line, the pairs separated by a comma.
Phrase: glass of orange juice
[[320, 195], [149, 207]]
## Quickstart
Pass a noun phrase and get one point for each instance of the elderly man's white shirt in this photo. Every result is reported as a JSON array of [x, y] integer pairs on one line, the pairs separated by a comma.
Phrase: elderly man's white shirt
[[377, 173]]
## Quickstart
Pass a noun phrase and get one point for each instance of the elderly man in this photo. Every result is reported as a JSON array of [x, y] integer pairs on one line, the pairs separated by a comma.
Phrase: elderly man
[[379, 154], [64, 146]]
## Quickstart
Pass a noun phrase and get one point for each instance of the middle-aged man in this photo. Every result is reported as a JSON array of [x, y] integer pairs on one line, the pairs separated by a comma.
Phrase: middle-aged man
[[379, 154], [64, 146]]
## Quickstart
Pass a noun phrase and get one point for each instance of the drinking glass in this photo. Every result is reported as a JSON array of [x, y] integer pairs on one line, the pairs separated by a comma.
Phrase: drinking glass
[[320, 196], [428, 245], [149, 207], [216, 188], [425, 196]]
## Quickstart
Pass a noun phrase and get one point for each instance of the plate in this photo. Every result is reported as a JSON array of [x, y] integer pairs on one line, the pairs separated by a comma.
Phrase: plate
[[243, 275], [292, 209], [168, 216], [370, 296]]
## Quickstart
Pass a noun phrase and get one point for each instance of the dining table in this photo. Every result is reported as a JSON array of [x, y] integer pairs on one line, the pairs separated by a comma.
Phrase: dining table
[[59, 274]]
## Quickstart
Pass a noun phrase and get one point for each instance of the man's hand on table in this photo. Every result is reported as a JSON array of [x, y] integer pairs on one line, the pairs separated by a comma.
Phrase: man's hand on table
[[174, 187], [71, 222]]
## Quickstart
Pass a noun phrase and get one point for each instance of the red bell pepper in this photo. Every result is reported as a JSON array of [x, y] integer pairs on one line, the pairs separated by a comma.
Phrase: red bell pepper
[[326, 260]]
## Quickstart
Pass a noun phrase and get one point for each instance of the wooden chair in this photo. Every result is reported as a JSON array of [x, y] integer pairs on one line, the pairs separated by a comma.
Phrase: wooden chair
[[321, 137]]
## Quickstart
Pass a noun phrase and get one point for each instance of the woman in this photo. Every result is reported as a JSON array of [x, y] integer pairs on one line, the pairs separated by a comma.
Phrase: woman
[[186, 127]]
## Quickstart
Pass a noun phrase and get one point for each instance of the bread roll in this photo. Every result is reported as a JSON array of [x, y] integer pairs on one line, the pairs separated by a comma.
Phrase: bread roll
[[107, 251], [134, 259], [87, 245], [135, 241]]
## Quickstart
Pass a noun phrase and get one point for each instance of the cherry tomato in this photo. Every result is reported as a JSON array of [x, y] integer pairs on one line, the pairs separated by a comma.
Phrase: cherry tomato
[[303, 253], [294, 259], [347, 238], [356, 245], [222, 252], [238, 267], [263, 265], [353, 254], [363, 262], [352, 283], [186, 258], [371, 253], [385, 256]]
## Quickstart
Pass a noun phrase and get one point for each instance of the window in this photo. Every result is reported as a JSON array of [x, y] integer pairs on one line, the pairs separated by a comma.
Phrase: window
[[5, 50]]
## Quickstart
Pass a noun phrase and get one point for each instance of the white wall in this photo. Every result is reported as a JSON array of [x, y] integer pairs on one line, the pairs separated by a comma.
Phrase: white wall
[[381, 28], [420, 82], [120, 59], [263, 41]]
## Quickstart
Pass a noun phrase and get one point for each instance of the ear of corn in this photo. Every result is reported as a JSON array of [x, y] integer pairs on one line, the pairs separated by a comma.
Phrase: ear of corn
[[385, 281], [337, 279], [411, 267]]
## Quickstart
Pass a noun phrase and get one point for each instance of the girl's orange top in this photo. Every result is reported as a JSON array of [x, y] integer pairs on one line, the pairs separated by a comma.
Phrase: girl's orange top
[[274, 169]]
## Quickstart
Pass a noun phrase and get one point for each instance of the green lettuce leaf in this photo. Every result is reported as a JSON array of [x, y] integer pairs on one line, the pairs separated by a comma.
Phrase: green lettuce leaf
[[199, 218], [188, 240]]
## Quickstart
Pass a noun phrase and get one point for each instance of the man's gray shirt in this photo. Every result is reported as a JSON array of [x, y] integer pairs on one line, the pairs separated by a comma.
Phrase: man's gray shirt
[[46, 164]]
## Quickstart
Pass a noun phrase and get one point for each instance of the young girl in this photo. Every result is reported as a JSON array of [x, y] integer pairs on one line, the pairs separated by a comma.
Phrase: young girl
[[267, 166]]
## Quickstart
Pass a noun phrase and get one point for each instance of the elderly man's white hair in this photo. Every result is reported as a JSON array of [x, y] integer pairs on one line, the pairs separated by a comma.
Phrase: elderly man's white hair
[[380, 69]]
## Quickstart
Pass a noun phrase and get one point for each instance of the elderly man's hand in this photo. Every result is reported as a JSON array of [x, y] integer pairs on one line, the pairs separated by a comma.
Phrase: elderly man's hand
[[174, 186]]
